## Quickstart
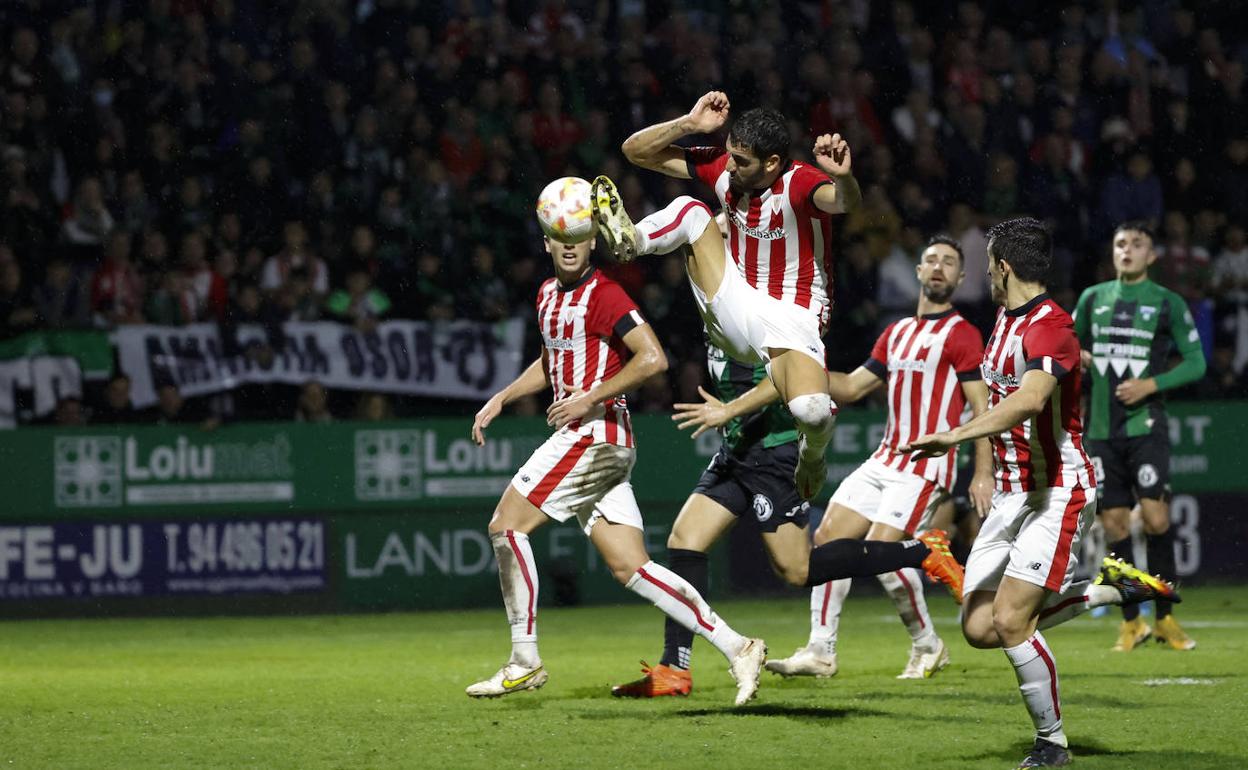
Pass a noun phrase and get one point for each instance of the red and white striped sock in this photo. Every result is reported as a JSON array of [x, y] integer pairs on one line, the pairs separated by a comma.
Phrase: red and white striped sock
[[826, 601], [517, 575], [1036, 670], [681, 602], [1076, 600], [906, 590], [682, 222]]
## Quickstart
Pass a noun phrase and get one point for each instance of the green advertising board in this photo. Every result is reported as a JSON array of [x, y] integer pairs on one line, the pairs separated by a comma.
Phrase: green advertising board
[[401, 507]]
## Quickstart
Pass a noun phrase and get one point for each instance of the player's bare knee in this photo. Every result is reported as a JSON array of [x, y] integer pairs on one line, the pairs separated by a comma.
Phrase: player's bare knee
[[980, 636], [814, 413], [794, 574], [1011, 627], [498, 523]]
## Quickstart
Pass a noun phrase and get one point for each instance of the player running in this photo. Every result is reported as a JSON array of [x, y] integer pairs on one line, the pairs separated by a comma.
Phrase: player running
[[770, 304], [930, 363], [1020, 574], [1128, 328], [596, 347], [750, 479]]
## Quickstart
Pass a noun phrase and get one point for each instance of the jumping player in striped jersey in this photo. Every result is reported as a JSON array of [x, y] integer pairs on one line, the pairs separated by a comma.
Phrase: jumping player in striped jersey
[[767, 299], [930, 363], [1020, 574], [596, 346]]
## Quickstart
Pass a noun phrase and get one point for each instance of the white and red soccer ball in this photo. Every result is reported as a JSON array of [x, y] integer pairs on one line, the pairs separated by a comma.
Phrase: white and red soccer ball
[[564, 212]]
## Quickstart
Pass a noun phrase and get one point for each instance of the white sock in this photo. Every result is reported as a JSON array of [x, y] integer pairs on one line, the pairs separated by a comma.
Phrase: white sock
[[517, 575], [906, 590], [1076, 600], [826, 602], [682, 222], [815, 415], [1037, 681], [682, 602]]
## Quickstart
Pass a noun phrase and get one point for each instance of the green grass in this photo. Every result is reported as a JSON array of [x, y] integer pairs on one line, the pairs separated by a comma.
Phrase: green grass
[[387, 691]]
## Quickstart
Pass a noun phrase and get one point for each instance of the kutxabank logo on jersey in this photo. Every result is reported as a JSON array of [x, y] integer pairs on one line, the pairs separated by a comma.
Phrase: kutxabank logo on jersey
[[103, 471]]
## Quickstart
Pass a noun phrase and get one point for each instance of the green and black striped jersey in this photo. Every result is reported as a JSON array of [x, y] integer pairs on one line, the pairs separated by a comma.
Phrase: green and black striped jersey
[[772, 425], [1130, 329]]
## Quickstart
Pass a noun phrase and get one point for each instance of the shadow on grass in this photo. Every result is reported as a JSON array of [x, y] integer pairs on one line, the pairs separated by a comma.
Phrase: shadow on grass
[[800, 713], [1005, 697], [1130, 757]]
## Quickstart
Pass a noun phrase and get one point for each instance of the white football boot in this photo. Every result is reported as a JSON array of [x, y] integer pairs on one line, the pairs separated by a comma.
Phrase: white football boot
[[804, 662], [746, 668], [924, 663], [614, 223], [512, 677]]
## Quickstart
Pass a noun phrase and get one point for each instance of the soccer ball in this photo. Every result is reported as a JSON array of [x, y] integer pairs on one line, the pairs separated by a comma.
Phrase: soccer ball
[[564, 212]]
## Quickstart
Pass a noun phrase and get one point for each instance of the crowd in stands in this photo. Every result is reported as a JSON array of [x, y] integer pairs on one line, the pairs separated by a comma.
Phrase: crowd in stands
[[240, 161]]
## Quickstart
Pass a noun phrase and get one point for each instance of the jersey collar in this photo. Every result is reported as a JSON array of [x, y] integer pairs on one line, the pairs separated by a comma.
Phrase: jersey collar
[[1029, 306], [579, 282], [938, 316]]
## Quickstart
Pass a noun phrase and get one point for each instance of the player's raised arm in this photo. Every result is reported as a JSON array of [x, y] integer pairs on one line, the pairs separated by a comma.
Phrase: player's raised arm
[[534, 379], [834, 159], [648, 360], [848, 388], [653, 147]]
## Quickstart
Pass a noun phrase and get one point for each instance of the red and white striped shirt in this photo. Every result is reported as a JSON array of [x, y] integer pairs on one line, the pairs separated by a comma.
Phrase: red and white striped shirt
[[583, 327], [780, 242], [1047, 450], [925, 359]]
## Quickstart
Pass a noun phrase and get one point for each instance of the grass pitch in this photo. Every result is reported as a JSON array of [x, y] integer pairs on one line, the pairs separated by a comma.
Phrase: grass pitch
[[387, 691]]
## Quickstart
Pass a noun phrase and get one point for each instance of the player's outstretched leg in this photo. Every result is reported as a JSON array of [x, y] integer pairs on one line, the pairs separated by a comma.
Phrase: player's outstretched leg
[[862, 558], [517, 575], [1119, 582], [686, 221], [621, 546], [672, 676]]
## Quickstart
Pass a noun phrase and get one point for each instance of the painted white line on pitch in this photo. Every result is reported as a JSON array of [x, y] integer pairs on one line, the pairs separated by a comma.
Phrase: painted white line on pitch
[[1182, 680]]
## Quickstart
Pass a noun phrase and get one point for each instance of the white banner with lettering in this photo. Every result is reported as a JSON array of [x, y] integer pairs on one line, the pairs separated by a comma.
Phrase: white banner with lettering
[[455, 359]]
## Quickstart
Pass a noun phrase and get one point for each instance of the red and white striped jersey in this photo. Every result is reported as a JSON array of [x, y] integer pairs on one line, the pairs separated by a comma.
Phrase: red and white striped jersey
[[780, 241], [925, 359], [583, 327], [1047, 450]]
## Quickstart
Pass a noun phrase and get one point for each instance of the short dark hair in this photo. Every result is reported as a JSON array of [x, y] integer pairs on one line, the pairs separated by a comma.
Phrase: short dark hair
[[947, 240], [1026, 245], [764, 132], [1137, 226]]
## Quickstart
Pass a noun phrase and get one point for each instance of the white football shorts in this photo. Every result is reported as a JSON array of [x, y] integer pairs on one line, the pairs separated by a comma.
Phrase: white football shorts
[[744, 321], [1031, 536], [572, 475], [886, 495]]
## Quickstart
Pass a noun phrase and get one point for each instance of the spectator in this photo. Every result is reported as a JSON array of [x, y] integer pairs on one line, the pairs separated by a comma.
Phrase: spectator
[[117, 408], [116, 291], [1133, 194], [360, 303], [62, 301], [1184, 266], [69, 413], [89, 222], [373, 407], [295, 255], [17, 307], [313, 405]]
